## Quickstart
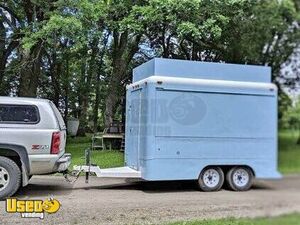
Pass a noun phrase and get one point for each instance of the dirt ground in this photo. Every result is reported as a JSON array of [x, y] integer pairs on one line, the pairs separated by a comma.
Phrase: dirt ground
[[113, 201]]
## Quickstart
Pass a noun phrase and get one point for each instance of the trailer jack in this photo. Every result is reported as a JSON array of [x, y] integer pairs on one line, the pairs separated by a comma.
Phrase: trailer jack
[[72, 176]]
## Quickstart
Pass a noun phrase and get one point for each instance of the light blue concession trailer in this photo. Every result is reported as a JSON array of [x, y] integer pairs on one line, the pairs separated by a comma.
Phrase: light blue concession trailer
[[210, 122]]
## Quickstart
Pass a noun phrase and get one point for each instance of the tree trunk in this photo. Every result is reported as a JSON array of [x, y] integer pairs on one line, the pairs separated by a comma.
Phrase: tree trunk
[[115, 90], [5, 51], [111, 103], [66, 88], [83, 116], [298, 140], [2, 51], [97, 89], [85, 90], [82, 101], [55, 78], [2, 71], [30, 71], [97, 98], [123, 52]]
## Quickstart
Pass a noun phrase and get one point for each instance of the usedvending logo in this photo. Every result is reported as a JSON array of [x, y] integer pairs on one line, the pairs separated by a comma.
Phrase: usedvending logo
[[32, 208]]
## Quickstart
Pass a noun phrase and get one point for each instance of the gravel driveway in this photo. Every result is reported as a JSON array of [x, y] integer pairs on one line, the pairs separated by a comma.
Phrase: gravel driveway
[[113, 201]]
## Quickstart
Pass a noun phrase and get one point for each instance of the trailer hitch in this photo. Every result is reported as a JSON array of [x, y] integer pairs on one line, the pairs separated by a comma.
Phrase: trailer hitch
[[72, 176]]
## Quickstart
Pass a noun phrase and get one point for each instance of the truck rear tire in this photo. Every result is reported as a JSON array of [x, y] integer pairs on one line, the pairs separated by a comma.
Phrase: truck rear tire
[[10, 177], [211, 179], [239, 178]]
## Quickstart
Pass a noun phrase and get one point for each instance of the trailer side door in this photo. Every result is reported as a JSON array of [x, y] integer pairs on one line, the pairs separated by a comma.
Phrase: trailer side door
[[133, 129]]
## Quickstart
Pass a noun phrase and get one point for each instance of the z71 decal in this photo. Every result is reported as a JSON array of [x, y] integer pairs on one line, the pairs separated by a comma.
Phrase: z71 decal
[[40, 147]]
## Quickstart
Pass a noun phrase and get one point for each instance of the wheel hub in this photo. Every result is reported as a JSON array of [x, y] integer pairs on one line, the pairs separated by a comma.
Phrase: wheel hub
[[4, 178], [211, 178], [240, 178]]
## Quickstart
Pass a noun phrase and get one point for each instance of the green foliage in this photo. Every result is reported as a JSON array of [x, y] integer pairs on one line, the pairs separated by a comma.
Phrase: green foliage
[[74, 51], [289, 157], [285, 103], [291, 118], [57, 25]]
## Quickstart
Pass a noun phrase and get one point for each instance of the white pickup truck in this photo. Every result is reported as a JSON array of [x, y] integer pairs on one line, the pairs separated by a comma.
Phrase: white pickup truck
[[32, 141]]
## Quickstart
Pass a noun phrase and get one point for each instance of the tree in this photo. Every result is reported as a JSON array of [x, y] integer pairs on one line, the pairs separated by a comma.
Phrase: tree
[[79, 53], [125, 44], [67, 36], [291, 119], [10, 23]]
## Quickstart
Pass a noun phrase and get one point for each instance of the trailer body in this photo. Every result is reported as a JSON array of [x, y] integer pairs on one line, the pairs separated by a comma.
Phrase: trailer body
[[183, 116]]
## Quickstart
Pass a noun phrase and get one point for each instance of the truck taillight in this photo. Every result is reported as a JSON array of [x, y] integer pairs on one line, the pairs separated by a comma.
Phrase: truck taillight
[[55, 143]]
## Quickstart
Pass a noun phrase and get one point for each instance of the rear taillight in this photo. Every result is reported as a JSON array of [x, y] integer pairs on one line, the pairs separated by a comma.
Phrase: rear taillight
[[55, 143]]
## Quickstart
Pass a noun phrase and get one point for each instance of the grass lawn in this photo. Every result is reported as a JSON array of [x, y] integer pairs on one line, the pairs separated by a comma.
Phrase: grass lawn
[[104, 159], [289, 153], [293, 219]]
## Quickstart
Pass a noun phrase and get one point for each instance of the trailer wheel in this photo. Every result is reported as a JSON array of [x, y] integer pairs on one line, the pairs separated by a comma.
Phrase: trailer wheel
[[211, 179], [239, 178], [10, 177]]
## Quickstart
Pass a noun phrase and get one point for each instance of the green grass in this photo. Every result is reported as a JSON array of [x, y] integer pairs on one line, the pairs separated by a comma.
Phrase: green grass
[[289, 153], [292, 219], [104, 159]]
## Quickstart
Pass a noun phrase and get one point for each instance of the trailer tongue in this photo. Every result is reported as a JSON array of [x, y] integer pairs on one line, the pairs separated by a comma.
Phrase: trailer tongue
[[117, 172], [88, 169]]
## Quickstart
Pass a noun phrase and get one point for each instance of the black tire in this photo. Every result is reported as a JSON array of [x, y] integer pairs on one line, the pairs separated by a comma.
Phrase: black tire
[[232, 177], [203, 179], [14, 174]]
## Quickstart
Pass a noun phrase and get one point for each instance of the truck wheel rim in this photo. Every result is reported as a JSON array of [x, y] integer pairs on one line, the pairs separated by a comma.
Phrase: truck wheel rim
[[4, 178], [240, 177], [211, 178]]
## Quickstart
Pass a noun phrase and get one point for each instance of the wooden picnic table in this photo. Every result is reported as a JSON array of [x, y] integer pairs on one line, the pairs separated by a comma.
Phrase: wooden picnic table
[[107, 137]]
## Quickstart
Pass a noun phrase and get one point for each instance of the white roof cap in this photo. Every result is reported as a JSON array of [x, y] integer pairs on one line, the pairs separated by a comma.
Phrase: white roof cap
[[202, 70]]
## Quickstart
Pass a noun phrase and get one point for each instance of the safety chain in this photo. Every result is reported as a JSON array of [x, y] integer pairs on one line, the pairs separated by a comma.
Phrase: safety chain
[[72, 176]]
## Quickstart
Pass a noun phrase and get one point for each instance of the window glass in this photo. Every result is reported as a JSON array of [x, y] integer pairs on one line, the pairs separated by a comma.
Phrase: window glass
[[18, 114], [58, 116]]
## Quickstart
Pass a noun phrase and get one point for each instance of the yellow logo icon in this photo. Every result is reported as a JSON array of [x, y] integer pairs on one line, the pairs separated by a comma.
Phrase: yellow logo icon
[[32, 208], [51, 206]]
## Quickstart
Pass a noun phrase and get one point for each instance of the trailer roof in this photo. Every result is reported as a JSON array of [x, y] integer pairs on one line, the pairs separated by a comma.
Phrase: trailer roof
[[202, 70]]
